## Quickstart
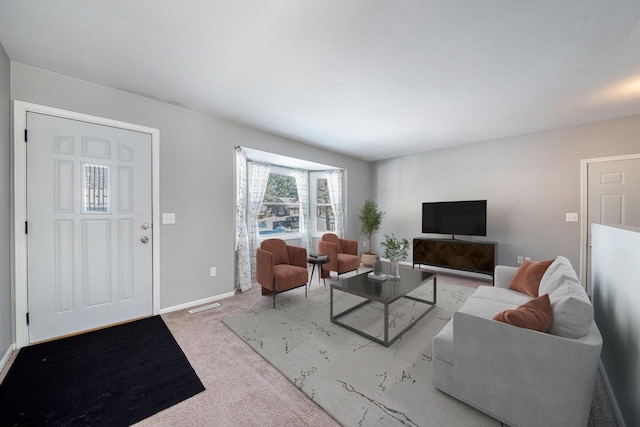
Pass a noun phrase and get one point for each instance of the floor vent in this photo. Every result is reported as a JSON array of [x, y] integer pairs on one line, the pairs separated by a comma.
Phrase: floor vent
[[204, 307]]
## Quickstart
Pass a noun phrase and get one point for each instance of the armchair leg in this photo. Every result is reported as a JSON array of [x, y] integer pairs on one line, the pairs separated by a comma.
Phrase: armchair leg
[[274, 299]]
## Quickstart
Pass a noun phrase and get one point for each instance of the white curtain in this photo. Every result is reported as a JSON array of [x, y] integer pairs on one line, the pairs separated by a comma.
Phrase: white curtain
[[334, 185], [257, 185], [302, 183], [243, 263]]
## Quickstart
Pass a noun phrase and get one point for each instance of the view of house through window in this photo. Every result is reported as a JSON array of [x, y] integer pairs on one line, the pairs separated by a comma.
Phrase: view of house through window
[[280, 210], [324, 218]]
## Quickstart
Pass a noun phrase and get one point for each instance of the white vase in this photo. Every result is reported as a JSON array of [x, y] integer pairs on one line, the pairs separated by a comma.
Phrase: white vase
[[394, 268]]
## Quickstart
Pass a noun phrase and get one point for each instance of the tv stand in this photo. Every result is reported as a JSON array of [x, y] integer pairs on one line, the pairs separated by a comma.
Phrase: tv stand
[[464, 255]]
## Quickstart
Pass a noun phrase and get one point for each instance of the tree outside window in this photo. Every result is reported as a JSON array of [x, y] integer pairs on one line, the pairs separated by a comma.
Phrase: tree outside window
[[279, 214], [325, 220], [280, 210]]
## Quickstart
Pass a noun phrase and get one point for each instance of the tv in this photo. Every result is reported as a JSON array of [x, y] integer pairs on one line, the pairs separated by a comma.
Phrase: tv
[[467, 218]]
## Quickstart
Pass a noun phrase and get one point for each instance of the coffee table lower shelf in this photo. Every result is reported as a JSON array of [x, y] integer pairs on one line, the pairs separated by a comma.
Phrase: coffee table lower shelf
[[386, 303]]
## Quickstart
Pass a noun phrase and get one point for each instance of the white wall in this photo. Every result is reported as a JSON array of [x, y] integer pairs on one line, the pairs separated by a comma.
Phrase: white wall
[[616, 295], [196, 175], [529, 181], [6, 317]]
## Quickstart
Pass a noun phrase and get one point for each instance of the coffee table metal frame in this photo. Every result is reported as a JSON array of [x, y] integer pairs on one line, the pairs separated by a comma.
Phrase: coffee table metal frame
[[411, 283]]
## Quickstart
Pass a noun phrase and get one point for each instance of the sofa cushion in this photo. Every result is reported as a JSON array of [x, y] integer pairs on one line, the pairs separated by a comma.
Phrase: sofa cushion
[[332, 238], [289, 276], [501, 295], [278, 249], [527, 278], [572, 310], [485, 308], [535, 314], [558, 272], [348, 262]]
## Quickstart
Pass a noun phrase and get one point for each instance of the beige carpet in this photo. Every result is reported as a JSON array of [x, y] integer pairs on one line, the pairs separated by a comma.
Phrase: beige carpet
[[243, 389]]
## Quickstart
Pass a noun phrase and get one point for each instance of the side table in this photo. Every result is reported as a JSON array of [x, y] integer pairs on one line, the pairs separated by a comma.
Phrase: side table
[[317, 262]]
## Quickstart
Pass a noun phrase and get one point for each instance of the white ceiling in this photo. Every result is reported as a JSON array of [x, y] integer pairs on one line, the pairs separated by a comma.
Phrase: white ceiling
[[370, 78]]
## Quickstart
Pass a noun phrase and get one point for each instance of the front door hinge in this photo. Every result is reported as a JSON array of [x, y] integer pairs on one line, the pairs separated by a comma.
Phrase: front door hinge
[[26, 227], [27, 318], [25, 136]]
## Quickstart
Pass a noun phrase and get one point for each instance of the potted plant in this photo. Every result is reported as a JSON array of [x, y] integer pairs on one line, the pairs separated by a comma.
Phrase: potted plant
[[395, 249], [371, 217]]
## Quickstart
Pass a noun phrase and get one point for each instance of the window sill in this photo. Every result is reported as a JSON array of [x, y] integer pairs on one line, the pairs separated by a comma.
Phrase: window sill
[[283, 236]]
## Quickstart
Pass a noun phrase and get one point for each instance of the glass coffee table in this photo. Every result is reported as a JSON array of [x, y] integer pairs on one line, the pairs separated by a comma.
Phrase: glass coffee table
[[392, 290]]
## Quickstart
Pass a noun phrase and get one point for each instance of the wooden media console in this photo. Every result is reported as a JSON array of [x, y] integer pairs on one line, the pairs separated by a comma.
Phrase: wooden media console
[[475, 257]]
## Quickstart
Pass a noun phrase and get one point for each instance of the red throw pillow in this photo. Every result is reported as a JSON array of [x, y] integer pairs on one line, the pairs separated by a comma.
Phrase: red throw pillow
[[527, 278], [536, 314]]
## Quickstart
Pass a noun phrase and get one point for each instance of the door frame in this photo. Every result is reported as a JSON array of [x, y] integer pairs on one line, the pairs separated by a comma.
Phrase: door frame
[[584, 207], [19, 199]]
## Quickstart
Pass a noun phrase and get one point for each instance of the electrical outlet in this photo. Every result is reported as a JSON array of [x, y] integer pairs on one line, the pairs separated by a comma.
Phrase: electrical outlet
[[212, 271], [168, 218], [520, 259], [571, 217]]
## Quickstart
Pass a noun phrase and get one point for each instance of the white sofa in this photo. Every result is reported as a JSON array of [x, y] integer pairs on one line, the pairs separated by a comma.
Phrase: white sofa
[[520, 376]]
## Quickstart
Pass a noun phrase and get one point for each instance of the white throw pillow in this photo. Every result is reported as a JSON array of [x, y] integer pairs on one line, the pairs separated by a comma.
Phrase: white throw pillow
[[558, 272], [572, 310]]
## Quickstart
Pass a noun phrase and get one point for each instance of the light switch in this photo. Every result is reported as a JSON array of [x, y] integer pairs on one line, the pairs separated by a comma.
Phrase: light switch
[[572, 217], [168, 218]]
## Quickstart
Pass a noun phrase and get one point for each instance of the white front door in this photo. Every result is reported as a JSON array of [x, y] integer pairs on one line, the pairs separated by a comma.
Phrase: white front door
[[613, 197], [89, 213]]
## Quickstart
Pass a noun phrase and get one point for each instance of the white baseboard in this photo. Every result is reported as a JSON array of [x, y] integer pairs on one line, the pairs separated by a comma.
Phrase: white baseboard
[[198, 302], [6, 356], [612, 396]]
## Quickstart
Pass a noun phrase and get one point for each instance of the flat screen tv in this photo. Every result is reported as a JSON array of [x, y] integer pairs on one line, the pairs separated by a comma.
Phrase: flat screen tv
[[467, 218]]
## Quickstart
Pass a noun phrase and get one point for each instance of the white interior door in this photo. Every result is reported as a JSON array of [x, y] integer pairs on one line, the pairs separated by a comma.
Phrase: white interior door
[[89, 213], [613, 197]]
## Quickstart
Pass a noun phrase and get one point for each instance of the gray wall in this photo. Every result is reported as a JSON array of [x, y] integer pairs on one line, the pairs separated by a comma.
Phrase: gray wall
[[529, 182], [6, 331], [616, 296], [196, 175]]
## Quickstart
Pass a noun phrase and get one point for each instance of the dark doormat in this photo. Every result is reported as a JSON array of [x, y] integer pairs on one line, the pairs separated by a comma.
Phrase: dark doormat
[[115, 376]]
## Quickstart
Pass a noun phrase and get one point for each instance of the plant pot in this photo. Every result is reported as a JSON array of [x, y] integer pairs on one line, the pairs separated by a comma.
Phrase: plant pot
[[394, 268], [368, 259]]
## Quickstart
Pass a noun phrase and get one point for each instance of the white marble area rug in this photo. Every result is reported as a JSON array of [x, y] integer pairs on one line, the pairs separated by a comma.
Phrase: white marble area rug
[[357, 381]]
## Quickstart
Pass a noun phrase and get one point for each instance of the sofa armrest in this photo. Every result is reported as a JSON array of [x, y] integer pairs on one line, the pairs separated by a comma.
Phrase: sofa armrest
[[264, 268], [503, 275], [524, 377], [297, 256], [331, 250], [349, 246]]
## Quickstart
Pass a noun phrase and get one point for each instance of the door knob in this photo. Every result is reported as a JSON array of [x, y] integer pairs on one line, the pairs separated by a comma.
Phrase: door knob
[[144, 226], [144, 239]]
